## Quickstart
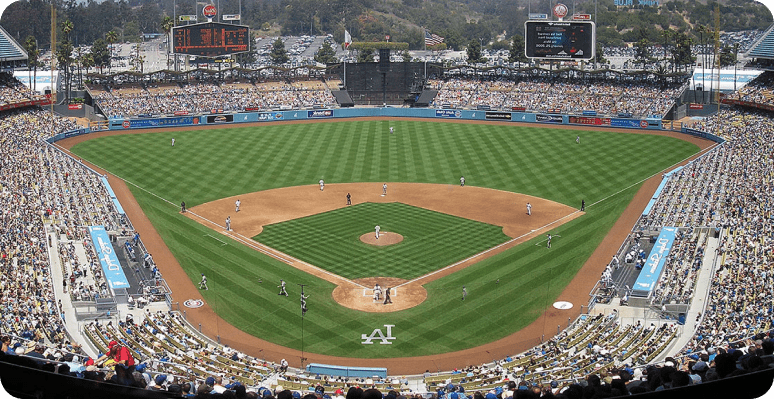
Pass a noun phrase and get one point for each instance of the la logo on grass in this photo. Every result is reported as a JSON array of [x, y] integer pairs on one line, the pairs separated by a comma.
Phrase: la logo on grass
[[378, 334]]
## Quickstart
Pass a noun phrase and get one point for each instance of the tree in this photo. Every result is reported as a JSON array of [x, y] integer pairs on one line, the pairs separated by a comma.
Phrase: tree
[[599, 55], [326, 54], [681, 53], [406, 56], [516, 52], [101, 54], [365, 55], [111, 38], [278, 53], [64, 58], [727, 56], [31, 47], [474, 52], [642, 51], [167, 24], [65, 54]]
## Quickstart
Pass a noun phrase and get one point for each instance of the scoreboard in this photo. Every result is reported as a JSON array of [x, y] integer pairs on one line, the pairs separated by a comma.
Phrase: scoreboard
[[210, 39], [559, 40]]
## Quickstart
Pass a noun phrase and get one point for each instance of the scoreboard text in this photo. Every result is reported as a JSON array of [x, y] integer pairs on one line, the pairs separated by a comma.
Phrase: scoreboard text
[[559, 40], [210, 39]]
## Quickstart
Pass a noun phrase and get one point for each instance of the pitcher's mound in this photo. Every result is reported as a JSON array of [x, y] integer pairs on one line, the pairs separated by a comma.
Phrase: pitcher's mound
[[385, 238]]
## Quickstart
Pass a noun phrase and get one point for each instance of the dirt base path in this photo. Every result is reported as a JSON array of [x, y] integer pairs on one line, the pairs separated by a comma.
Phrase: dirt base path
[[576, 291]]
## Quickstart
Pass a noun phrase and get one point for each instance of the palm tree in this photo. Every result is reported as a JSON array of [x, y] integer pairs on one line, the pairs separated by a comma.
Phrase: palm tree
[[111, 37], [702, 29], [167, 24], [666, 34], [31, 47], [66, 53]]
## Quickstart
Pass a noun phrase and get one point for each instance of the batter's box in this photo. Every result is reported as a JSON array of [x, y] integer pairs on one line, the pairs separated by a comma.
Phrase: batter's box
[[370, 292]]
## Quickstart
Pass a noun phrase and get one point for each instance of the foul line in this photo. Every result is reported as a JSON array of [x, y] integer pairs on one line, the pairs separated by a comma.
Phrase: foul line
[[217, 239]]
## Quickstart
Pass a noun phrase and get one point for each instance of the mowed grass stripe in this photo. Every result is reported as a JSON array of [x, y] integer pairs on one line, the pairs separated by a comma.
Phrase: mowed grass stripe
[[496, 309], [331, 240]]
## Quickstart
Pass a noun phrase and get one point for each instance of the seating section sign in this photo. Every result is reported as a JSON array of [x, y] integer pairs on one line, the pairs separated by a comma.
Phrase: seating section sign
[[654, 265], [107, 258]]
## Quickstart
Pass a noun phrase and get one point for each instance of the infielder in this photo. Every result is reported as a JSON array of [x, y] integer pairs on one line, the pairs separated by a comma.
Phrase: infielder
[[377, 228], [203, 283], [282, 288], [462, 181], [322, 184], [384, 189], [237, 203], [529, 209], [228, 223], [349, 199]]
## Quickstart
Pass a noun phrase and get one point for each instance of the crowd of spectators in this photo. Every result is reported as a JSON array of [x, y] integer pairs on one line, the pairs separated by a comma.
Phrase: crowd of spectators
[[209, 97], [759, 91], [12, 91], [557, 96]]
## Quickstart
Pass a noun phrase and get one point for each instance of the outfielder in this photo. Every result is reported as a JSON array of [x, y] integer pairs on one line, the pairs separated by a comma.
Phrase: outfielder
[[464, 292], [377, 228], [282, 288], [203, 283], [548, 242], [391, 130], [173, 142]]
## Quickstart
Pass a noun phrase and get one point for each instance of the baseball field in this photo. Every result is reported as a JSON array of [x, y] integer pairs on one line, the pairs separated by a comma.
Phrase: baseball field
[[274, 169]]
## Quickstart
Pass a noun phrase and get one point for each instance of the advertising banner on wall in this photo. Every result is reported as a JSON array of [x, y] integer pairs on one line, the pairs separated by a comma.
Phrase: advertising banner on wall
[[588, 120], [320, 113], [543, 118], [448, 113], [502, 116]]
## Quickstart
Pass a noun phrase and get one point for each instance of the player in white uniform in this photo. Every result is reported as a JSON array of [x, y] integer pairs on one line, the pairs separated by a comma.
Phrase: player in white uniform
[[377, 292], [282, 288], [462, 181], [237, 203], [377, 228], [322, 184], [529, 209], [203, 283], [228, 223], [392, 130], [173, 142]]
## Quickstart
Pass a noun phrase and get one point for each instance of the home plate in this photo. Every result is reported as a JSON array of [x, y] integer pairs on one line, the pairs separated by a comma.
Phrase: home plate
[[563, 305]]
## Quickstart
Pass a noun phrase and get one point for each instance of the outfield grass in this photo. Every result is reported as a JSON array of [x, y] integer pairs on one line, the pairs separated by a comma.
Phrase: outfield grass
[[326, 238], [209, 164]]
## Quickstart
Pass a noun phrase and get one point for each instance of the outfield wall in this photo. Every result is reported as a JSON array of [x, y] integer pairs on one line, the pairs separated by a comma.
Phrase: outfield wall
[[332, 113]]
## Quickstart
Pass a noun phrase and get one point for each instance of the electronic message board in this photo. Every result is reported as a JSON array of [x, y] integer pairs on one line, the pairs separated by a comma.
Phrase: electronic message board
[[558, 40]]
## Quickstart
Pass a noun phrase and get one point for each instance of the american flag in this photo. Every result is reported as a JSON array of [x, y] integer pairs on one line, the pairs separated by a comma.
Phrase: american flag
[[432, 40]]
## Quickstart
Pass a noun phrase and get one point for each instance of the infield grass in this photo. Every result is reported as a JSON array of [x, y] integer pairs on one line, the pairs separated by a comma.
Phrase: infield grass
[[206, 165], [431, 240]]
